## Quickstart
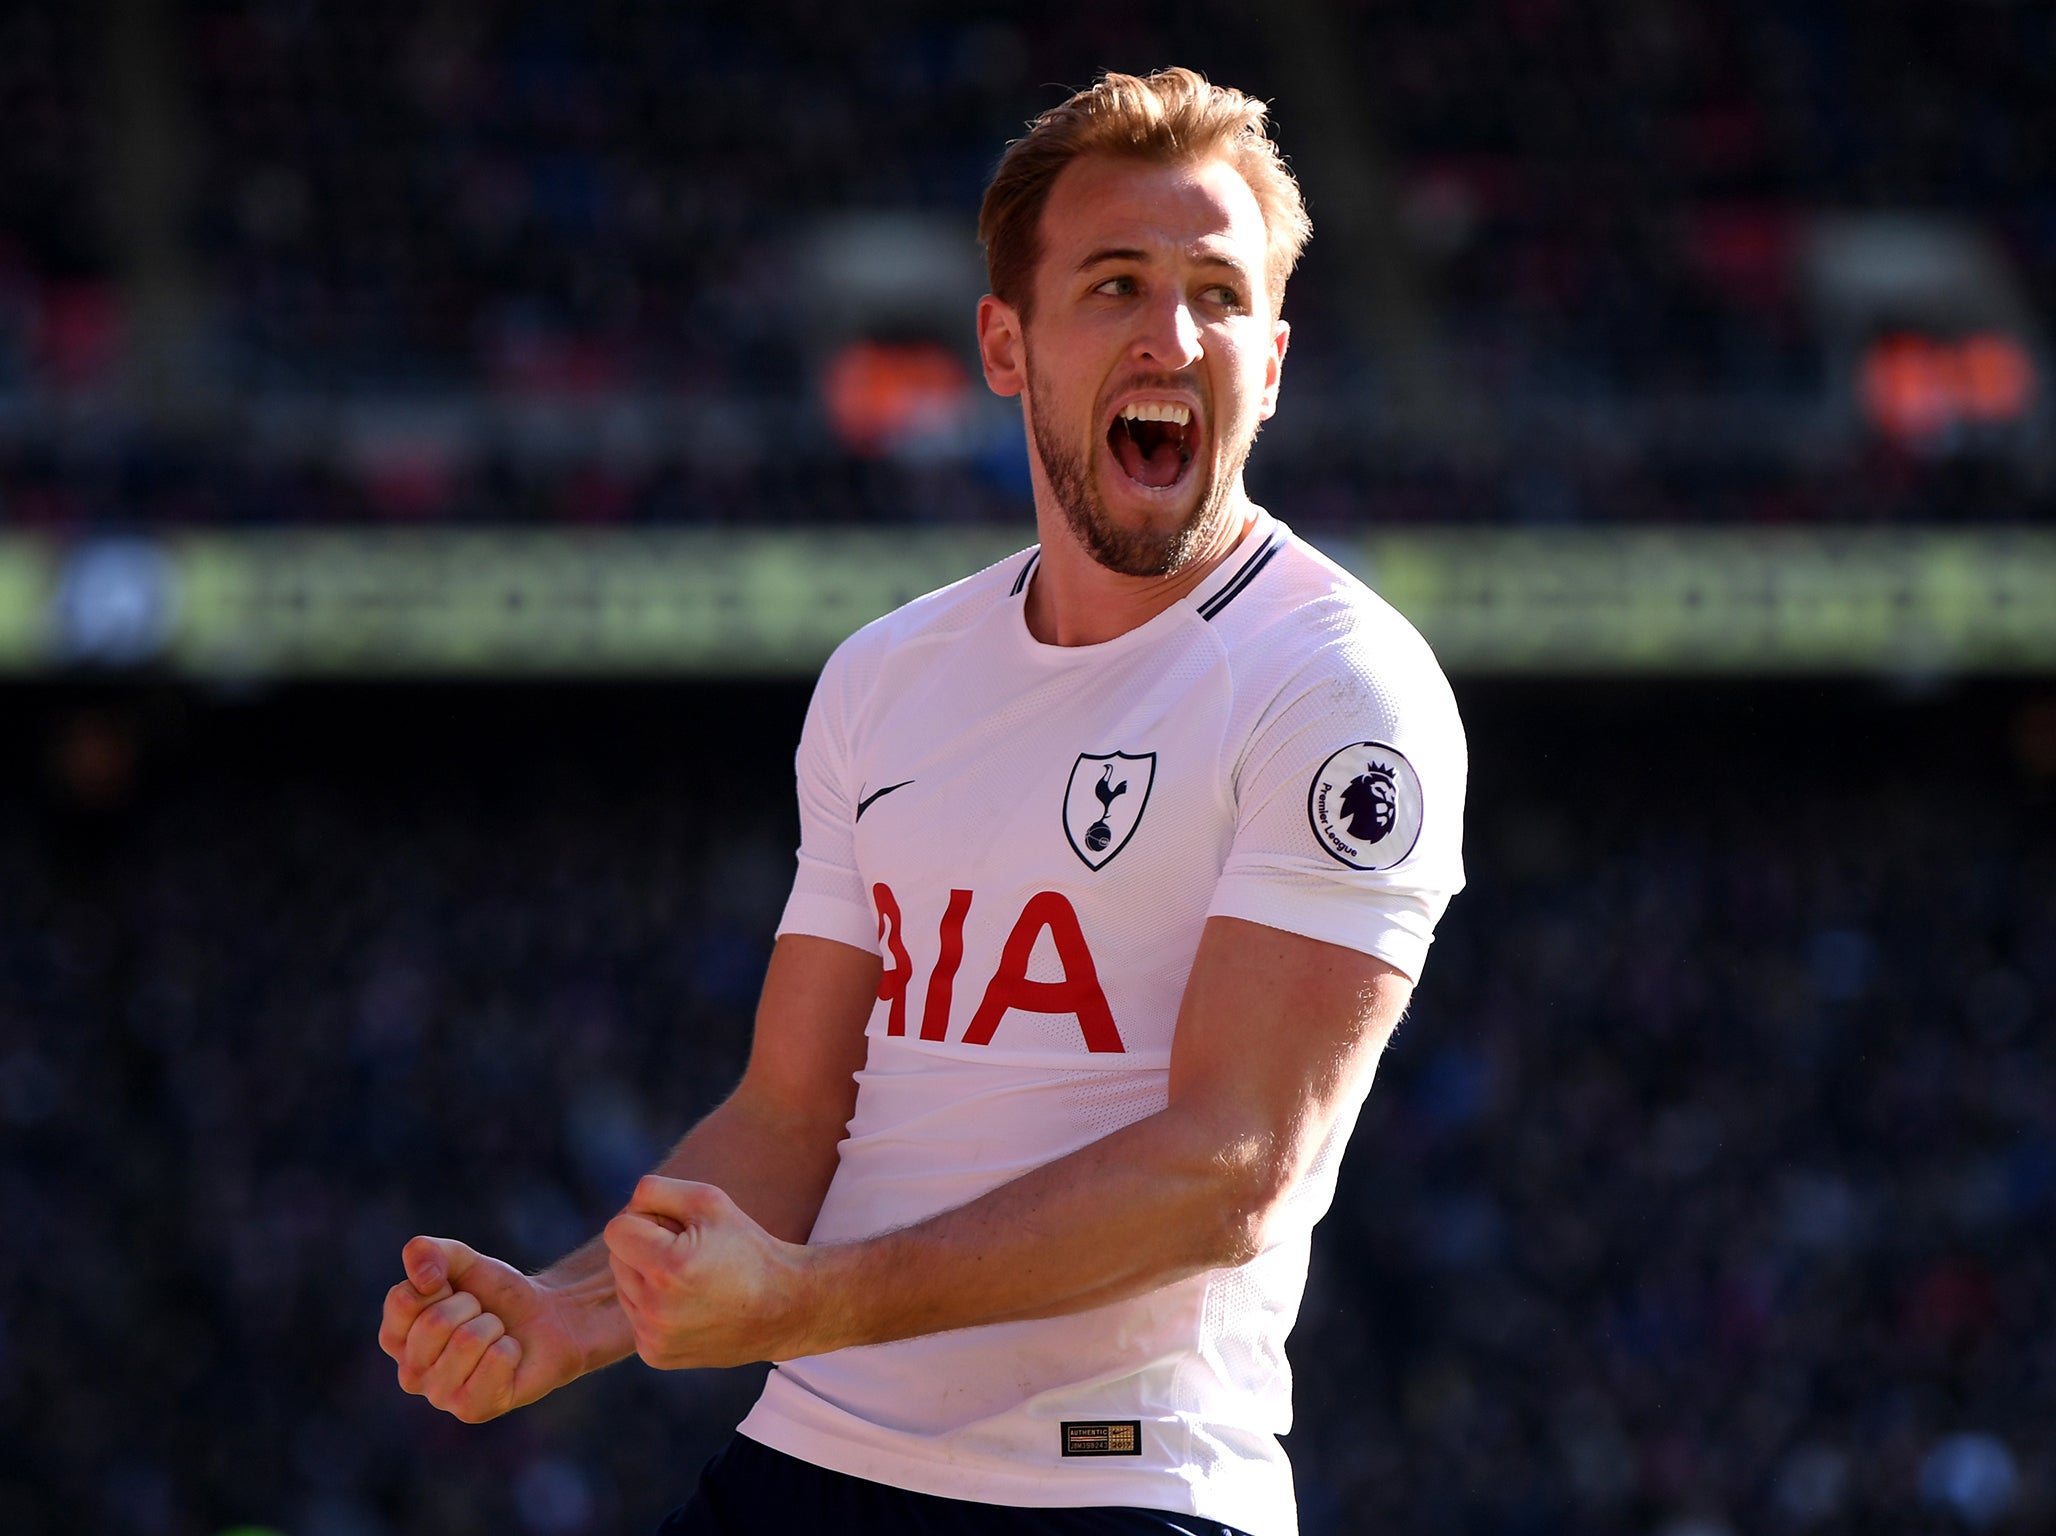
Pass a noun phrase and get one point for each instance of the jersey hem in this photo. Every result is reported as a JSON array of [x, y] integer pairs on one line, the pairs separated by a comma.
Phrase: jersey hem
[[984, 1482]]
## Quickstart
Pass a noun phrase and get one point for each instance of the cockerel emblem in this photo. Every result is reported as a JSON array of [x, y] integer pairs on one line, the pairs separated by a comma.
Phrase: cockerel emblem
[[1104, 801], [1101, 832]]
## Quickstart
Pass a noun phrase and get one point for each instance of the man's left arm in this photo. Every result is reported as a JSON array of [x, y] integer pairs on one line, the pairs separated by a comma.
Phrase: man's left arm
[[1278, 1035]]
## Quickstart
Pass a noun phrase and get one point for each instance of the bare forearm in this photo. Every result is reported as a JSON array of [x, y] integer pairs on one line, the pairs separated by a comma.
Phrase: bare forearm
[[1187, 1189], [775, 1167], [1284, 1035], [775, 1164], [1162, 1199]]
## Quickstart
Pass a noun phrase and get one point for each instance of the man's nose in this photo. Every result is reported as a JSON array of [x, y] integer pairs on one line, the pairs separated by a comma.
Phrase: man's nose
[[1169, 337]]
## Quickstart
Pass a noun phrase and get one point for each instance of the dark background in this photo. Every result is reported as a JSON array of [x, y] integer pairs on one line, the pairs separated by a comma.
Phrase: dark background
[[1710, 1177], [1708, 1190]]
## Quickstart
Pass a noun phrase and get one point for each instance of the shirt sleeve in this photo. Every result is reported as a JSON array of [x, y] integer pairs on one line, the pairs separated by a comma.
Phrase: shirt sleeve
[[828, 898], [1349, 808]]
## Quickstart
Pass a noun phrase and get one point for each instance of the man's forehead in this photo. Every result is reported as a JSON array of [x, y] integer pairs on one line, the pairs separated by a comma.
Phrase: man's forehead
[[1107, 203]]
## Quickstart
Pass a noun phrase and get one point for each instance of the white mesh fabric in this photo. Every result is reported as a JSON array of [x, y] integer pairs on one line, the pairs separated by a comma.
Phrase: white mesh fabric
[[1217, 714]]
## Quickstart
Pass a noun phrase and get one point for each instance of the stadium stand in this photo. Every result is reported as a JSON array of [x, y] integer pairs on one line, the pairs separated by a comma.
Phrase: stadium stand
[[1709, 1189], [399, 226], [1710, 1180]]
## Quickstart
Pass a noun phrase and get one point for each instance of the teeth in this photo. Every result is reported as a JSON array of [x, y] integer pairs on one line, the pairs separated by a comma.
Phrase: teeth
[[1156, 410]]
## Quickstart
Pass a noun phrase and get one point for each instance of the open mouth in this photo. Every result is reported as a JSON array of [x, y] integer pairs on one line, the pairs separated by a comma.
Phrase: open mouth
[[1152, 441]]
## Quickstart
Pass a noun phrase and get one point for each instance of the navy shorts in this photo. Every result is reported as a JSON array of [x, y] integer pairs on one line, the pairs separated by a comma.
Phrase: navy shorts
[[751, 1490]]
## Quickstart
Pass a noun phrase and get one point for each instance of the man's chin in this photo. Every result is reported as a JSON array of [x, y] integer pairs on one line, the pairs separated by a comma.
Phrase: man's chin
[[1127, 552], [1128, 528], [1152, 539]]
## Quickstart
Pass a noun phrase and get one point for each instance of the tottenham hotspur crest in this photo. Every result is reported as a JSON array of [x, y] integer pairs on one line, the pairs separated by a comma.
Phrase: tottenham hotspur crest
[[1365, 806], [1104, 800]]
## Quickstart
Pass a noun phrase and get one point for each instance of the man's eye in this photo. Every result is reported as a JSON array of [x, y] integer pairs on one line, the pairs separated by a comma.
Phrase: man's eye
[[1225, 297], [1116, 287]]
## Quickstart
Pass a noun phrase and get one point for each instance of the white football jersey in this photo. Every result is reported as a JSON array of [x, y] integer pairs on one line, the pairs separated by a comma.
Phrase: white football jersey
[[1032, 838]]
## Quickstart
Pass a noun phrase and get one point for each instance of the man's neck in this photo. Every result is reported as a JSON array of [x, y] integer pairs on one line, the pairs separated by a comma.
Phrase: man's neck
[[1074, 600]]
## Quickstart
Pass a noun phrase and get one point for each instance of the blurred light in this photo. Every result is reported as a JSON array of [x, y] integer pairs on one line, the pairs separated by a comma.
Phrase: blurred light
[[1916, 388], [883, 395], [116, 602], [94, 760], [1972, 1474], [81, 333]]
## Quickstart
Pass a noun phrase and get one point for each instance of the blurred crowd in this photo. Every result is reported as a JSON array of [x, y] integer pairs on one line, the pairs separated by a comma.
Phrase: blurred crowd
[[1599, 209], [1618, 187], [1707, 1191], [1318, 488]]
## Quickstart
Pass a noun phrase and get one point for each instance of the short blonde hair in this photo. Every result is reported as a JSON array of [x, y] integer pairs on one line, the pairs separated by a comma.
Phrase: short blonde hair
[[1172, 117]]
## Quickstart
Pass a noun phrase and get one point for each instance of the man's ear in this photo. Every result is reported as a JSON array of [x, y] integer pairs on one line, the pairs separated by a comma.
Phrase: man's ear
[[1002, 346], [1274, 369]]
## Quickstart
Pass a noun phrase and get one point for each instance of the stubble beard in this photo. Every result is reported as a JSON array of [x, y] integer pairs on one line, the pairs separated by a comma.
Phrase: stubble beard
[[1129, 551]]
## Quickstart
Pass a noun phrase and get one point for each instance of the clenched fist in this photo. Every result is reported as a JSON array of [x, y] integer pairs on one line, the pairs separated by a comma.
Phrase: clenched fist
[[476, 1337], [703, 1284]]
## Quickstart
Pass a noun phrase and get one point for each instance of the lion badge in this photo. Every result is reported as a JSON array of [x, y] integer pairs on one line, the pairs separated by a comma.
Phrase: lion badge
[[1365, 806]]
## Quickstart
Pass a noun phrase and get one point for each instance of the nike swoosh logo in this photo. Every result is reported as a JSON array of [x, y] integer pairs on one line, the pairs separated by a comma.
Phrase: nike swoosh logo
[[864, 804]]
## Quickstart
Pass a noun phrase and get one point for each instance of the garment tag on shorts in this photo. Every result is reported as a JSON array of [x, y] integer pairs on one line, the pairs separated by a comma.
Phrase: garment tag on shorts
[[1120, 1437]]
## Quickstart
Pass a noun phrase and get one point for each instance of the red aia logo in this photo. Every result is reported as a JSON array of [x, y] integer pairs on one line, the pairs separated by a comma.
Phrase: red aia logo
[[1046, 912]]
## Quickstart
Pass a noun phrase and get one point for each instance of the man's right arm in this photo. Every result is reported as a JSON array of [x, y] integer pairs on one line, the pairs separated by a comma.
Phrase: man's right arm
[[477, 1337]]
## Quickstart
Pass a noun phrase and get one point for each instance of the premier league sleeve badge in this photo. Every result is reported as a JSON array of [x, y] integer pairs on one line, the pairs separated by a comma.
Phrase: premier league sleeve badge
[[1365, 806]]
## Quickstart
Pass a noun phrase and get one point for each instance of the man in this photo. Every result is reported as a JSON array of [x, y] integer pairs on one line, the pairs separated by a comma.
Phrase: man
[[1087, 967]]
